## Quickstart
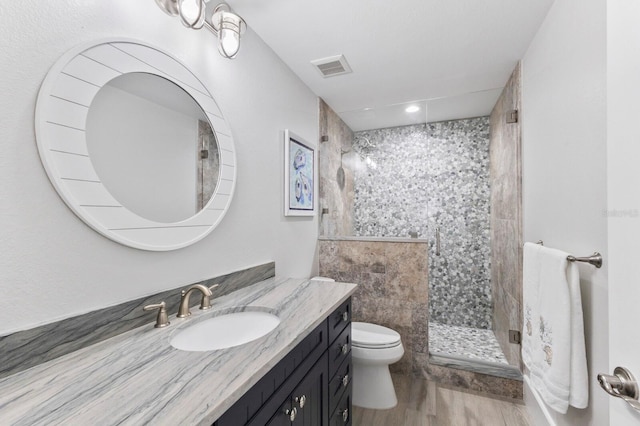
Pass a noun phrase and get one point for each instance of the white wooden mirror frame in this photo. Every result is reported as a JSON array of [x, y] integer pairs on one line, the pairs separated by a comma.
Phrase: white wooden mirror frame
[[60, 122]]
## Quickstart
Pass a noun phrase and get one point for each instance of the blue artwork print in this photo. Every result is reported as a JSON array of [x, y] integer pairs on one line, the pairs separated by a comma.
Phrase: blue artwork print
[[300, 176]]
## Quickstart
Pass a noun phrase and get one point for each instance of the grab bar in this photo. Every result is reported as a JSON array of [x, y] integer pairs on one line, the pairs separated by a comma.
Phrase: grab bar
[[595, 259], [437, 241]]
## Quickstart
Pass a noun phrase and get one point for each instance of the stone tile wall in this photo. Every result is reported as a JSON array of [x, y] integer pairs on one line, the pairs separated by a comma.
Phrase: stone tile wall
[[506, 219], [392, 291], [338, 200]]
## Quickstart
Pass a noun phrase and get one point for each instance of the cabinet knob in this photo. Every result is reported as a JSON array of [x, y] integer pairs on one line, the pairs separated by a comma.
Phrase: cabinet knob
[[345, 316], [291, 413], [345, 380], [301, 400], [345, 415], [344, 348]]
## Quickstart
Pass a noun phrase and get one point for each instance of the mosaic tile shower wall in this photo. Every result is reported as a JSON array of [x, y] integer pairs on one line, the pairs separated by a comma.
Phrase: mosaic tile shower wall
[[414, 179], [459, 204], [390, 182]]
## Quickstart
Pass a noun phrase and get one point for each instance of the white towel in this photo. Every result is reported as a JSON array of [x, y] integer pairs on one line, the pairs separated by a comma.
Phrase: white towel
[[555, 350], [530, 285]]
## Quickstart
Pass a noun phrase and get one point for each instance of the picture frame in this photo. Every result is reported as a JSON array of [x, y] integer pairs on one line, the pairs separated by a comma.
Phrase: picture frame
[[300, 198]]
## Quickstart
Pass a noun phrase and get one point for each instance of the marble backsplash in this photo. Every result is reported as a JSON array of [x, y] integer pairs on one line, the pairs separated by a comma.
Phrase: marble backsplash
[[24, 349], [414, 179]]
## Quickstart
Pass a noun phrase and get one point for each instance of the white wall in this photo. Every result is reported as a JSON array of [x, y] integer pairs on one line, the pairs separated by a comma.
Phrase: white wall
[[154, 148], [623, 151], [564, 163], [51, 264]]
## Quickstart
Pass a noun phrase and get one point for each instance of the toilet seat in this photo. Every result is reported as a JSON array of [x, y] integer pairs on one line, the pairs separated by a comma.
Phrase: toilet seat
[[373, 336]]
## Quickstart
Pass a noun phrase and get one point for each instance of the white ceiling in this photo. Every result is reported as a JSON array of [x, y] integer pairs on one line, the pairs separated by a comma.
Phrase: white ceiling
[[454, 55]]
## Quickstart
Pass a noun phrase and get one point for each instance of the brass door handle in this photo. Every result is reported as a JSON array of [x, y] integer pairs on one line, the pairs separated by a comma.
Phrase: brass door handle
[[621, 385]]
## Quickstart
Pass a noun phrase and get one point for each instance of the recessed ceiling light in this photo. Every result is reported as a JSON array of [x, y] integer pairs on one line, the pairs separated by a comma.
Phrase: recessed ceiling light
[[412, 108]]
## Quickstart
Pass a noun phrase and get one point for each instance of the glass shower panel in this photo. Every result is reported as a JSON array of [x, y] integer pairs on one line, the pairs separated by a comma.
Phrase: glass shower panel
[[460, 295]]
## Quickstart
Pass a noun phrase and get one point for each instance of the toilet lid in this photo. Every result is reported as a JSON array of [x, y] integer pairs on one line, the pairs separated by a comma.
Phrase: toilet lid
[[366, 335]]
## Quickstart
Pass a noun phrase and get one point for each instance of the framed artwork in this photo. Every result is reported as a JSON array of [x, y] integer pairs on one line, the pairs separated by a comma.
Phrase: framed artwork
[[299, 176]]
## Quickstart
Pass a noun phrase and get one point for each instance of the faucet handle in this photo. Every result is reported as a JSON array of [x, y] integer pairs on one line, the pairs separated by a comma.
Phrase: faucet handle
[[206, 300], [161, 320]]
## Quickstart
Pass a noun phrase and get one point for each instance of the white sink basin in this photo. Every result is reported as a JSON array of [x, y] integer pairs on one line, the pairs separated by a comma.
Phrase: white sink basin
[[225, 331]]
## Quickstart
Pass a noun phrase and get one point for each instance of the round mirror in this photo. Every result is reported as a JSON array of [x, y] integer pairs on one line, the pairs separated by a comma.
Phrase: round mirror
[[135, 145], [162, 143]]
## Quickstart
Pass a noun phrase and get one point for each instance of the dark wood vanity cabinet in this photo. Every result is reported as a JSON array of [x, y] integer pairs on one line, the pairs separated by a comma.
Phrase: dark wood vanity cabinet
[[311, 386], [305, 405]]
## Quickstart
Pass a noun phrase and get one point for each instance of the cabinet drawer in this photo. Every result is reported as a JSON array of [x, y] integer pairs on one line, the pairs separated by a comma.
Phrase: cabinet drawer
[[339, 383], [339, 319], [339, 350], [342, 415]]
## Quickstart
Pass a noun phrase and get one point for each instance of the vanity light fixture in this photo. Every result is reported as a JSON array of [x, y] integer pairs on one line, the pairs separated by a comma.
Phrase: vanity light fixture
[[225, 24]]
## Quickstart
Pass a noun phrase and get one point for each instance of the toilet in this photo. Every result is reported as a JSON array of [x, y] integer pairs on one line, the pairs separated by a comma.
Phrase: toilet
[[373, 349]]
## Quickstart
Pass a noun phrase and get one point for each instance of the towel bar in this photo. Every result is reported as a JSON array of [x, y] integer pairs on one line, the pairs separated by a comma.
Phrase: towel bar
[[595, 259]]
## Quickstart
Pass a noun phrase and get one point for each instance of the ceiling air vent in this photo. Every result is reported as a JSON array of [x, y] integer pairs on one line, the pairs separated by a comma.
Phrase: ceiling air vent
[[332, 66]]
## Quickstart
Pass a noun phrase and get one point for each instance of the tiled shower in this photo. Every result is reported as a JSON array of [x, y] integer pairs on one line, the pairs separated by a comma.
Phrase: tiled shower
[[430, 185], [431, 181]]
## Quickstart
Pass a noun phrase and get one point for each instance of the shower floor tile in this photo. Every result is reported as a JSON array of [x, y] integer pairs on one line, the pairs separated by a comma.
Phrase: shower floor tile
[[473, 343]]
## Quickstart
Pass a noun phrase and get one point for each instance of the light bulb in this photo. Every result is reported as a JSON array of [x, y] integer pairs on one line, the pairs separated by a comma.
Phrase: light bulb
[[229, 43], [170, 7], [191, 12]]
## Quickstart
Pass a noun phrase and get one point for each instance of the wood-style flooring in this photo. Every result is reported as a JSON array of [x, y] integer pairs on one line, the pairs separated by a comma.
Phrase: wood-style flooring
[[424, 403]]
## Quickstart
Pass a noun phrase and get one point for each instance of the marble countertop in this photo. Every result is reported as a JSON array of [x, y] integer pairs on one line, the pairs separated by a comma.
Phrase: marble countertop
[[138, 377]]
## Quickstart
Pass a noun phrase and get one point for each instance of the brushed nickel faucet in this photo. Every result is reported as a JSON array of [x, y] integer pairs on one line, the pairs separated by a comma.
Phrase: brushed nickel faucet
[[205, 303]]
